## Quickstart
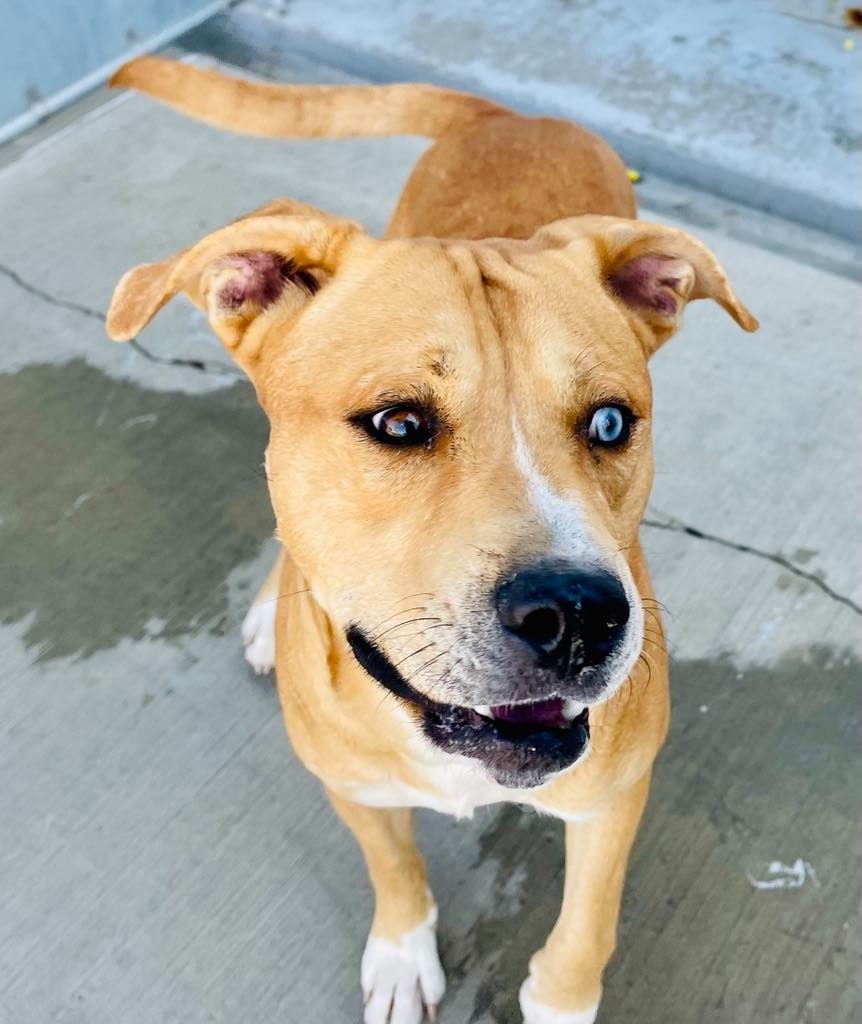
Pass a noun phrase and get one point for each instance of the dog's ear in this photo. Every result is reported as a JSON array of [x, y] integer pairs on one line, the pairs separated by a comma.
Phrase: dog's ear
[[237, 273], [652, 271]]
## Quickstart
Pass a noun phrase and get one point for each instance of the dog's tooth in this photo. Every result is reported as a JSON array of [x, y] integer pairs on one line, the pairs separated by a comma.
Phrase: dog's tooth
[[571, 709], [484, 710]]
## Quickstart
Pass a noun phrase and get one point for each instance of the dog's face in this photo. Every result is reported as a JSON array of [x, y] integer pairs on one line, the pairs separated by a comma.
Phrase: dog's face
[[460, 457], [459, 475]]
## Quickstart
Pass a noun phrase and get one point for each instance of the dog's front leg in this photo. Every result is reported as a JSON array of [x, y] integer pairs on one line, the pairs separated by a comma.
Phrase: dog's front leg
[[565, 982], [401, 972], [258, 627]]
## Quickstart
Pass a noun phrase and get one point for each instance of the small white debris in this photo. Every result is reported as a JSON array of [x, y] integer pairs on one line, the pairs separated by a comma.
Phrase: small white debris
[[704, 708], [149, 419], [785, 876], [79, 502]]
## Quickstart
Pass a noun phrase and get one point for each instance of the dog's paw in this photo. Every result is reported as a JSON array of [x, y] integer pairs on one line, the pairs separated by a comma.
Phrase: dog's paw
[[258, 636], [538, 1013], [401, 981]]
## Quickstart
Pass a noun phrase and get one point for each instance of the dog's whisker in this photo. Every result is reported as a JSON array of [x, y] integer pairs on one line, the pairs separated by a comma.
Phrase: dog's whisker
[[655, 615], [386, 695], [646, 661], [410, 597], [407, 657], [628, 547], [407, 622], [416, 633], [280, 597], [424, 630], [427, 664], [407, 611], [394, 615], [656, 603], [438, 625], [445, 674]]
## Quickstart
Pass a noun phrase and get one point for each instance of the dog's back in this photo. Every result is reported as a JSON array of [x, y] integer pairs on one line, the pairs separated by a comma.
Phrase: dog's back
[[491, 171]]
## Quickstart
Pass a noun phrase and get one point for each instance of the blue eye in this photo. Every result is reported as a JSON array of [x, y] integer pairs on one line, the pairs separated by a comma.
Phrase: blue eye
[[610, 426]]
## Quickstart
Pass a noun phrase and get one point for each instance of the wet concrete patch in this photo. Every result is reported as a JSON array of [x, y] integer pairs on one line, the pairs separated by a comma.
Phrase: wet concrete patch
[[529, 853], [762, 766], [122, 509]]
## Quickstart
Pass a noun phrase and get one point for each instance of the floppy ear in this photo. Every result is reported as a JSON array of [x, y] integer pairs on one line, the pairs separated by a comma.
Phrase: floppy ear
[[653, 271], [237, 273]]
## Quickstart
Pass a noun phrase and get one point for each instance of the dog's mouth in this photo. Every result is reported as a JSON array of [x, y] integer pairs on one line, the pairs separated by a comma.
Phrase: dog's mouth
[[521, 745]]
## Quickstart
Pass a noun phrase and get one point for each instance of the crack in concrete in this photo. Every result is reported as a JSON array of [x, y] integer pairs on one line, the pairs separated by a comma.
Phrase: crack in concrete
[[201, 365], [676, 526], [667, 523]]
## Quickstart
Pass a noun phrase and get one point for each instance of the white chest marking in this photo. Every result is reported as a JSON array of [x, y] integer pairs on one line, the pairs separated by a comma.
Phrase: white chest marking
[[460, 786]]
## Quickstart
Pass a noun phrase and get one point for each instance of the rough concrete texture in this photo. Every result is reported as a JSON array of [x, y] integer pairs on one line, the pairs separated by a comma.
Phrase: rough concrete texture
[[166, 860], [756, 101]]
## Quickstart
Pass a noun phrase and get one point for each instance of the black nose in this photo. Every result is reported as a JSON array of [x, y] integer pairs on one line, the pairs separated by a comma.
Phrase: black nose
[[570, 619]]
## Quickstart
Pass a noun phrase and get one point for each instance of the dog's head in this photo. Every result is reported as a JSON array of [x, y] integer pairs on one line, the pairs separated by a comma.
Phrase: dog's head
[[460, 451]]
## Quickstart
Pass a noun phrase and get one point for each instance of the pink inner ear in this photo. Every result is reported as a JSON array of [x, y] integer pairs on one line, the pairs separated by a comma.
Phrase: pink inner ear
[[260, 278], [651, 282]]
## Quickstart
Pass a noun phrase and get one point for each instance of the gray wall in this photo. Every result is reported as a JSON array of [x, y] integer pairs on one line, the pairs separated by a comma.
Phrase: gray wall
[[53, 50]]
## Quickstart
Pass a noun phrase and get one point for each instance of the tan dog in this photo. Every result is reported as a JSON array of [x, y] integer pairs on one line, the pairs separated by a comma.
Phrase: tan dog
[[459, 462]]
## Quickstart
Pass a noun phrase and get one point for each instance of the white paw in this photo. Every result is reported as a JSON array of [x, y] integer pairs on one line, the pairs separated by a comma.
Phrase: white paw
[[401, 980], [258, 636], [538, 1013]]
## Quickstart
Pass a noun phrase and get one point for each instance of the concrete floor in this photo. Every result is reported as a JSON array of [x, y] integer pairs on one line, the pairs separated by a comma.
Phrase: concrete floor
[[164, 857]]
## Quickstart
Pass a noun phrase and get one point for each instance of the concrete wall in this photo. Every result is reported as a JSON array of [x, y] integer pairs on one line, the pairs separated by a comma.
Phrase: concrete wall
[[53, 50]]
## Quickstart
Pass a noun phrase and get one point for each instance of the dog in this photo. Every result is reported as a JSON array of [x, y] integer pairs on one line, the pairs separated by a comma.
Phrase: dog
[[459, 461]]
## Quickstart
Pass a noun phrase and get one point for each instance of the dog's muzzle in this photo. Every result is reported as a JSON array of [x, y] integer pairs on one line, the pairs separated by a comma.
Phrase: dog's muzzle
[[560, 627]]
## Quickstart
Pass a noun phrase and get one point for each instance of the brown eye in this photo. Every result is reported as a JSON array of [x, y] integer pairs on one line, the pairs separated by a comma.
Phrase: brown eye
[[400, 425]]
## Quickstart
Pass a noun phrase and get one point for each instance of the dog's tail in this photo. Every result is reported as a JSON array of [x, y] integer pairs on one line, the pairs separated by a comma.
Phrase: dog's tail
[[302, 111]]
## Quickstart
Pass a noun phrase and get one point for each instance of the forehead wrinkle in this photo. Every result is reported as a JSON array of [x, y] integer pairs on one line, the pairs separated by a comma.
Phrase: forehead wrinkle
[[470, 277], [451, 353], [505, 288], [491, 439], [558, 353], [587, 348]]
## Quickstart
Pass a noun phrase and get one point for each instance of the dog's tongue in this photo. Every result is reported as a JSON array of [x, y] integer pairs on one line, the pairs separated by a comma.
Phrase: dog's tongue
[[541, 713]]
